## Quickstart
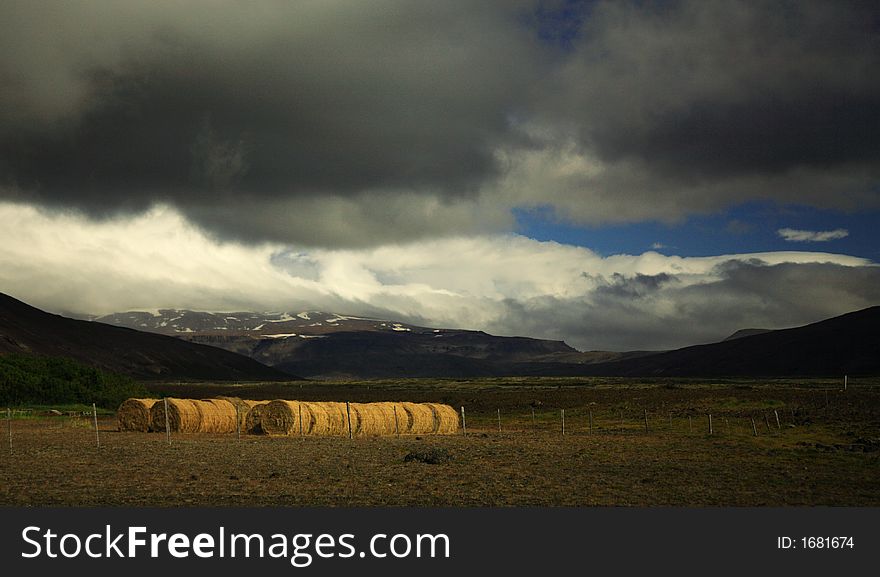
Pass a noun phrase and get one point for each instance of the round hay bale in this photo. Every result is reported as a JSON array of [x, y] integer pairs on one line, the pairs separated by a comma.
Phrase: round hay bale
[[445, 419], [326, 419], [134, 415], [316, 420], [419, 419], [253, 417], [387, 411], [373, 419], [184, 415], [217, 416], [280, 417], [243, 407]]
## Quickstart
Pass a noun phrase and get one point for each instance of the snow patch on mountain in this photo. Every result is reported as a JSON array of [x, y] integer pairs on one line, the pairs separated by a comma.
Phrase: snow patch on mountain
[[282, 319]]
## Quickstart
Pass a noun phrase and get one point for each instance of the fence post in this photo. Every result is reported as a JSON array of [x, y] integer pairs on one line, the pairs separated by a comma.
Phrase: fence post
[[396, 425], [300, 407], [463, 423], [690, 425], [646, 421], [754, 428], [238, 421], [533, 416], [348, 413], [563, 421], [9, 426], [95, 414], [710, 423], [776, 413], [167, 428], [591, 422], [499, 420]]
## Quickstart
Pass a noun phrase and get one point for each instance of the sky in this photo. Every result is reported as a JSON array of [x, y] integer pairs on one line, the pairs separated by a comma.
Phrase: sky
[[618, 175]]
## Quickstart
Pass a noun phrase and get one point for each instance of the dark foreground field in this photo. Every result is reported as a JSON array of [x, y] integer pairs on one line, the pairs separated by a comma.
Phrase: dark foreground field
[[821, 452]]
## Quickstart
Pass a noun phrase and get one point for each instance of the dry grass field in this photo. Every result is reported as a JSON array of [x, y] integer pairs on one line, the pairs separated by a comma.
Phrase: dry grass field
[[820, 453]]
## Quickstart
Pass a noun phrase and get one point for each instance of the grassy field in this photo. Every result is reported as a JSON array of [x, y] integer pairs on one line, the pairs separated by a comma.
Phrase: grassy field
[[825, 449]]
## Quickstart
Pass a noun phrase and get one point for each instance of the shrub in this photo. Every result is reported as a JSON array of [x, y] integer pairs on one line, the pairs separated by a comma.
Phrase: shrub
[[30, 379]]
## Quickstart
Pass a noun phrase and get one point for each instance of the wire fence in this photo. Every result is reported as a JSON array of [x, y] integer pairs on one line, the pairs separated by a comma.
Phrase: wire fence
[[626, 419]]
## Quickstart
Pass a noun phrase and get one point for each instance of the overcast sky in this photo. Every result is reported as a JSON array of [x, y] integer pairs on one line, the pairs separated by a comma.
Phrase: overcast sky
[[620, 175]]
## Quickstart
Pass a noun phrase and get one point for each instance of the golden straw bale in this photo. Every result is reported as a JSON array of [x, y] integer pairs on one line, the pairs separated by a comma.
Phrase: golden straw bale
[[316, 419], [280, 417], [184, 415], [338, 418], [243, 406], [327, 418], [217, 416], [445, 419], [134, 414], [372, 419], [419, 418], [398, 419], [309, 419], [387, 411], [253, 417]]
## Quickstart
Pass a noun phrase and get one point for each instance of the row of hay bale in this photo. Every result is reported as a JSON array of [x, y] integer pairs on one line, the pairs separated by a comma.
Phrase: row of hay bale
[[221, 415], [366, 419], [281, 417]]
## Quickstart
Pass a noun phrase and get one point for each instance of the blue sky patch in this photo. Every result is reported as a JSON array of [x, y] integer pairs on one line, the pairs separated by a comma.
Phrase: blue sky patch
[[745, 228]]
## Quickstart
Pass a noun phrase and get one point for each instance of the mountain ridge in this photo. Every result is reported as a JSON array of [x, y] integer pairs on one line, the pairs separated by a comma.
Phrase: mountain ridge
[[149, 356], [845, 344], [328, 345]]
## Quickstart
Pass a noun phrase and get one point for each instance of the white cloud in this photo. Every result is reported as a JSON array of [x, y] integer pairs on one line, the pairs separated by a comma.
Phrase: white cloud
[[506, 284], [794, 235]]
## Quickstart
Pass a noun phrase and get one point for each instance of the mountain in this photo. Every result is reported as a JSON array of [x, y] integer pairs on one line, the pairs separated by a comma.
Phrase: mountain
[[328, 345], [25, 329], [847, 344]]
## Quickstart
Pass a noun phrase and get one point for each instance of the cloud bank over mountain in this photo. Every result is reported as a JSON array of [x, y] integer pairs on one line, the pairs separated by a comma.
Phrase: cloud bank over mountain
[[505, 284]]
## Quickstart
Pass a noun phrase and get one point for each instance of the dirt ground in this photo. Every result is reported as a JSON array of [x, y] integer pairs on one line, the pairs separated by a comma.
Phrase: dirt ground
[[820, 452]]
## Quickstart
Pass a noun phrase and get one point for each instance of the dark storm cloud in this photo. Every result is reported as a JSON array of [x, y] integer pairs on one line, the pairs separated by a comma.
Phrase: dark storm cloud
[[690, 106], [717, 88], [231, 105], [344, 123]]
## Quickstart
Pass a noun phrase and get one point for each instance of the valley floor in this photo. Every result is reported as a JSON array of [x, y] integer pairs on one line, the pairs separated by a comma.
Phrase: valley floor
[[819, 454]]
